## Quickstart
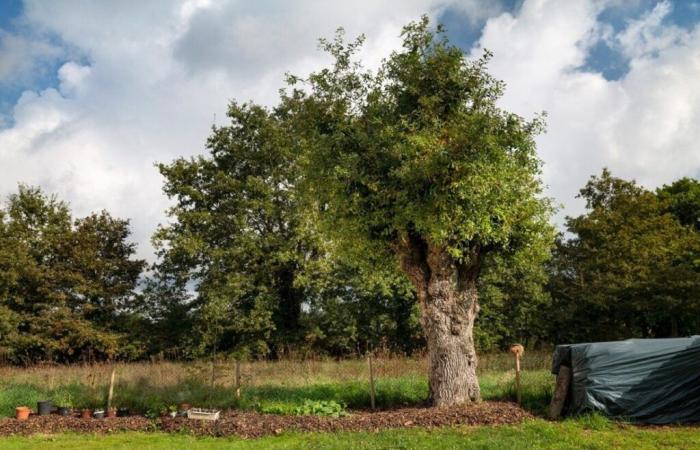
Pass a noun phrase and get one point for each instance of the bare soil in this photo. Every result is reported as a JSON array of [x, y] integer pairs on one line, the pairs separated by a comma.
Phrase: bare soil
[[246, 424]]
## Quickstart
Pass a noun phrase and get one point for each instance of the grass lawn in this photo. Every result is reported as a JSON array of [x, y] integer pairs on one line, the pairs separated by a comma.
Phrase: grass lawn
[[589, 433]]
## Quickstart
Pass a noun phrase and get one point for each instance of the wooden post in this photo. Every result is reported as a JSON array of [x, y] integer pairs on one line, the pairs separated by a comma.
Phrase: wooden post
[[517, 350], [371, 381], [213, 378], [111, 387], [560, 392], [238, 378]]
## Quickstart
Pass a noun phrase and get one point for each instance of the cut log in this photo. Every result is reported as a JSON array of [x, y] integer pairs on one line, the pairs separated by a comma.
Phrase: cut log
[[560, 392]]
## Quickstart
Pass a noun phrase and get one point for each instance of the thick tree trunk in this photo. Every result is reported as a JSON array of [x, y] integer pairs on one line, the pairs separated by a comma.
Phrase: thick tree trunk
[[447, 292]]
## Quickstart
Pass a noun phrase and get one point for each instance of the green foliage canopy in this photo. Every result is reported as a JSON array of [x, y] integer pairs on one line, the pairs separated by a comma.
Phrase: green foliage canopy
[[630, 268], [419, 147], [64, 285]]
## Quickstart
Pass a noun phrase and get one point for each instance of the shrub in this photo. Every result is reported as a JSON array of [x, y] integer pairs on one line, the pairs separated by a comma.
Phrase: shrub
[[327, 408], [63, 398]]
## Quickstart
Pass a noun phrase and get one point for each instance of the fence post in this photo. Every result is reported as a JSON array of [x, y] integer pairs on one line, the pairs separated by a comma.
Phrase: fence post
[[371, 381], [111, 387], [517, 350], [238, 378]]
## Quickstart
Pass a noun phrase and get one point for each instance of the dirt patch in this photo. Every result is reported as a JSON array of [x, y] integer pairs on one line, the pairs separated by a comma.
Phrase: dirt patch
[[251, 424]]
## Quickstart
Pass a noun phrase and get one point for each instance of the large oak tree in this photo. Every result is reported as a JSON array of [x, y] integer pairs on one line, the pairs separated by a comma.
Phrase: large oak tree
[[417, 161]]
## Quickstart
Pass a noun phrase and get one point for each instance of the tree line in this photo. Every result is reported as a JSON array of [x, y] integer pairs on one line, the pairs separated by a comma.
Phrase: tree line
[[344, 220]]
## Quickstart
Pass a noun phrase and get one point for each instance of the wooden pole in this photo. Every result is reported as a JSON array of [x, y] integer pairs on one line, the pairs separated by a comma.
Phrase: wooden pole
[[238, 378], [111, 387], [517, 350], [517, 380], [213, 378], [371, 381], [560, 392]]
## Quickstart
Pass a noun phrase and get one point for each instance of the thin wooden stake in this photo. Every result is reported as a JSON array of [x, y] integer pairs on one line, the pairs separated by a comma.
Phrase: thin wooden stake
[[517, 380], [371, 381], [111, 387], [213, 378], [517, 351], [238, 379]]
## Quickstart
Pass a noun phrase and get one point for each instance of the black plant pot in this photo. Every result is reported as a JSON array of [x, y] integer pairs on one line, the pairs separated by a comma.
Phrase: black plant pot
[[123, 412], [44, 408], [63, 411]]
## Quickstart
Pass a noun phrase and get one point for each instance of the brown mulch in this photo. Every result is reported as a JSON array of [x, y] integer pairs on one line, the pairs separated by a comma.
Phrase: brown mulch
[[247, 424]]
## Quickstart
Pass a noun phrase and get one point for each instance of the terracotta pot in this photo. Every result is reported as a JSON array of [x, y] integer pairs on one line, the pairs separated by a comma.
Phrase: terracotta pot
[[184, 406], [85, 413], [112, 412], [22, 412]]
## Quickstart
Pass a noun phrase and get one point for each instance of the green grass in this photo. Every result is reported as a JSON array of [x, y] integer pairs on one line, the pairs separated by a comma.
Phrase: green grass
[[143, 395], [538, 433]]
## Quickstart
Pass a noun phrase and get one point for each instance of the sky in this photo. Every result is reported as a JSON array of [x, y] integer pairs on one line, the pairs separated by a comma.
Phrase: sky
[[94, 93]]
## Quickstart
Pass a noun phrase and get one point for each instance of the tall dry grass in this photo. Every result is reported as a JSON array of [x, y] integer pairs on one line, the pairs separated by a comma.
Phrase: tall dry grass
[[255, 373]]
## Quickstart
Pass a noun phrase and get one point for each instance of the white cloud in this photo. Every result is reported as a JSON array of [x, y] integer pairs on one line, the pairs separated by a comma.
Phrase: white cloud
[[643, 126], [72, 76], [150, 79], [21, 57], [648, 36], [152, 75]]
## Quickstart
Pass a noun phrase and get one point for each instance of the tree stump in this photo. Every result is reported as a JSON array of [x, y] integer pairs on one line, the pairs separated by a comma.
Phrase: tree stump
[[561, 390]]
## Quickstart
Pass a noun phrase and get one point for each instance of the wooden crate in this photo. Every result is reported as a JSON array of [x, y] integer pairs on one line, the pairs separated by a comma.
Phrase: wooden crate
[[203, 414]]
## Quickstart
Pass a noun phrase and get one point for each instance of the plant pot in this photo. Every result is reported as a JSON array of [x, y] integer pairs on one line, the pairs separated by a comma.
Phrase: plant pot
[[63, 411], [44, 408], [123, 412], [98, 413], [86, 413], [22, 412], [184, 406], [111, 413]]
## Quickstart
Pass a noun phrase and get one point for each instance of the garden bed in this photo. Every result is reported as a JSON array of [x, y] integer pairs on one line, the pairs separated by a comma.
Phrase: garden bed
[[247, 424]]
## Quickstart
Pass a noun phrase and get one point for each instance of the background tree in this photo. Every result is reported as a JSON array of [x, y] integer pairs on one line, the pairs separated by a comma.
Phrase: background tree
[[238, 237], [629, 270], [514, 300], [682, 198], [64, 284], [419, 162], [353, 310]]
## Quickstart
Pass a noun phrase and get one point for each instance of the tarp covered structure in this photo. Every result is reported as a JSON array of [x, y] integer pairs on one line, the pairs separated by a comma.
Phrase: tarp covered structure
[[643, 380]]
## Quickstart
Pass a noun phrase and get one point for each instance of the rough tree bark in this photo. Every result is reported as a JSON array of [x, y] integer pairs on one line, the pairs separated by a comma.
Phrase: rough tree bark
[[448, 298]]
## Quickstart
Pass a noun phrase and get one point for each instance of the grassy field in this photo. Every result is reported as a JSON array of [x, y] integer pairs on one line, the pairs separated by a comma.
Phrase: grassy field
[[267, 385], [283, 385]]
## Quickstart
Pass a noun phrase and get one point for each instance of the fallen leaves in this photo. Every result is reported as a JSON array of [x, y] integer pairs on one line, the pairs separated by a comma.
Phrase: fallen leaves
[[248, 424]]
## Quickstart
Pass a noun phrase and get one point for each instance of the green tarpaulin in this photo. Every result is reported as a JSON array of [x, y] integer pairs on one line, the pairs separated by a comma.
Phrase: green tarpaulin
[[643, 380]]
